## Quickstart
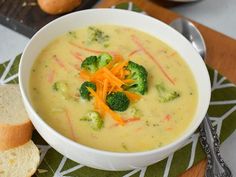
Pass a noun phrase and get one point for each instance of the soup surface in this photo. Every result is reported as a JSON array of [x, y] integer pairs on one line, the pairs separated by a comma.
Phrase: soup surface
[[152, 120]]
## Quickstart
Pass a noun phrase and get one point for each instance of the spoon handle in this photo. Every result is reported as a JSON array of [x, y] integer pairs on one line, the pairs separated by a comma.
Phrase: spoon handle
[[210, 142]]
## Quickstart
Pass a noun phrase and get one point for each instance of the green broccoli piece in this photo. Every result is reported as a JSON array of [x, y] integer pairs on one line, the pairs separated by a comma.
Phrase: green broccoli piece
[[85, 94], [94, 119], [104, 59], [139, 74], [72, 34], [93, 63], [90, 64], [135, 112], [117, 101], [96, 35], [62, 88], [165, 94]]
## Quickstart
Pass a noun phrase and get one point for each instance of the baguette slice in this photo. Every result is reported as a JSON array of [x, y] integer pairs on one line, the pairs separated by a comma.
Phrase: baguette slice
[[21, 161], [15, 126], [58, 7]]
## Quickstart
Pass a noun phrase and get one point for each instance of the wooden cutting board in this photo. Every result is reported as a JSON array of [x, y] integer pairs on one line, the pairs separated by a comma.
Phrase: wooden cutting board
[[25, 16], [221, 53]]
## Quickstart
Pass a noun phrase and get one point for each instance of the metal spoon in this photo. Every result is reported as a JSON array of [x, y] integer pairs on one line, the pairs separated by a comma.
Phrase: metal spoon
[[209, 139]]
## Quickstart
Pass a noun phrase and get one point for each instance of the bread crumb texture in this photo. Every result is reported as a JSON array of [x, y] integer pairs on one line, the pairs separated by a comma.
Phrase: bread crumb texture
[[19, 162], [11, 105]]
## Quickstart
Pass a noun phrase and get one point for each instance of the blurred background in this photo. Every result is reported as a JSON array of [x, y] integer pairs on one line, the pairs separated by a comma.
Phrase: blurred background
[[26, 17], [18, 15]]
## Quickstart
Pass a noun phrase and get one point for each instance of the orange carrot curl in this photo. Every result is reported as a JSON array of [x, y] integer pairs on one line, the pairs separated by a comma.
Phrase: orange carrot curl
[[113, 114], [59, 62], [77, 56], [51, 76], [70, 124], [134, 52], [90, 50]]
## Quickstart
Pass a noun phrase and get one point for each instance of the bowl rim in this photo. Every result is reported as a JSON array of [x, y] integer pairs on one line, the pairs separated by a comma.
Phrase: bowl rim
[[28, 103]]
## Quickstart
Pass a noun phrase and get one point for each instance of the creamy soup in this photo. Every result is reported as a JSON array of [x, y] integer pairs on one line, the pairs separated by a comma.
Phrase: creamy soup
[[151, 120]]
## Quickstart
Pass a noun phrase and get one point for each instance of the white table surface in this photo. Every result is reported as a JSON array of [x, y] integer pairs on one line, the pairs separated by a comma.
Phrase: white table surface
[[219, 15], [216, 14]]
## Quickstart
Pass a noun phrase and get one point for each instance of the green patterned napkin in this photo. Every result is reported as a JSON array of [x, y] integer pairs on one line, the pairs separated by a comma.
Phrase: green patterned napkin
[[222, 113]]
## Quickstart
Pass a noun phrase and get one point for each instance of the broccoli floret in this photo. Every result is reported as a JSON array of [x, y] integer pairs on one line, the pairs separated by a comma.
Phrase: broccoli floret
[[72, 34], [97, 35], [62, 88], [90, 64], [93, 63], [104, 59], [85, 94], [135, 112], [94, 119], [117, 101], [139, 74], [165, 94]]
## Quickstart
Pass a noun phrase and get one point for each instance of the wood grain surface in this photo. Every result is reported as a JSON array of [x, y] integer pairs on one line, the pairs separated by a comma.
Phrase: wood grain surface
[[25, 16], [221, 52]]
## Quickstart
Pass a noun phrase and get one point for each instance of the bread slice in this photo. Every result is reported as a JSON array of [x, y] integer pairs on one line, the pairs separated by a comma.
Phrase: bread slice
[[15, 126], [21, 161]]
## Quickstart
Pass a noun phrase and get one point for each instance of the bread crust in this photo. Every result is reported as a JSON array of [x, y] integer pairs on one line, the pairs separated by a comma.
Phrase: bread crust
[[15, 135], [58, 7]]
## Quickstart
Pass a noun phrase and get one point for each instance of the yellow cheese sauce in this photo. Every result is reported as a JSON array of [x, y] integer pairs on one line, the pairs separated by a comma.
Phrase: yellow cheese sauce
[[160, 122]]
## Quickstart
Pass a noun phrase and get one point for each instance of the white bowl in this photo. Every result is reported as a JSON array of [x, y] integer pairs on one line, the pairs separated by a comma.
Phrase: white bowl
[[98, 158]]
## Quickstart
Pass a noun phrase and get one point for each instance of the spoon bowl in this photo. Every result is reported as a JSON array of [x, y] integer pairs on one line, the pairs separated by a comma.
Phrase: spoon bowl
[[190, 32]]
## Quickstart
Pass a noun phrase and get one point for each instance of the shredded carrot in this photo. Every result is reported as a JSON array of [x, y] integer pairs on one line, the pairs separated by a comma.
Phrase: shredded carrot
[[139, 129], [87, 49], [85, 75], [132, 96], [77, 67], [117, 89], [105, 89], [118, 57], [112, 81], [113, 114], [100, 94], [70, 124], [112, 77], [126, 72], [122, 74], [59, 62], [51, 76], [128, 81], [99, 90], [172, 54], [169, 129], [138, 43], [119, 67], [168, 117], [77, 56], [133, 119], [134, 52], [111, 89]]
